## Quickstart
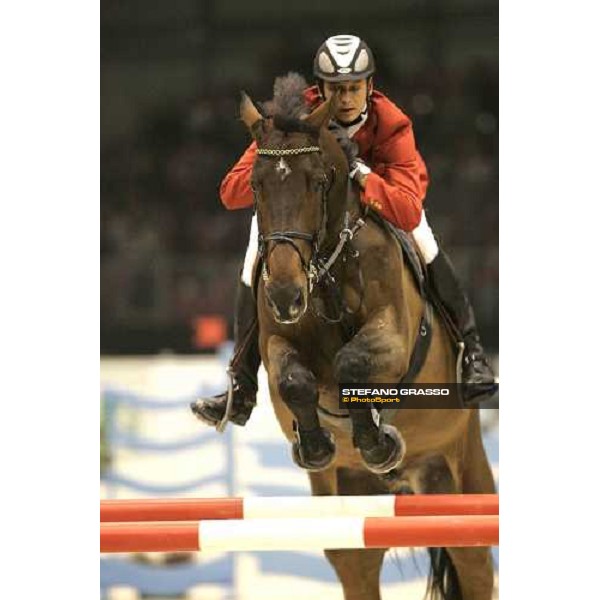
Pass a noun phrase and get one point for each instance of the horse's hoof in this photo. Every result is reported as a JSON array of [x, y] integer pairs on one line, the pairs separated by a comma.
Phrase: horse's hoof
[[388, 454], [316, 453]]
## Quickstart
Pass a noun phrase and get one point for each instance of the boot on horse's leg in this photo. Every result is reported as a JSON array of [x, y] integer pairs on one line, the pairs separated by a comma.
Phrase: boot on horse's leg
[[313, 450], [243, 368], [478, 376], [381, 447], [314, 447]]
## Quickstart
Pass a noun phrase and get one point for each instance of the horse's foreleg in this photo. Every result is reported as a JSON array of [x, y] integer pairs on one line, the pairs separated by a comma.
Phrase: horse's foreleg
[[313, 448], [375, 354]]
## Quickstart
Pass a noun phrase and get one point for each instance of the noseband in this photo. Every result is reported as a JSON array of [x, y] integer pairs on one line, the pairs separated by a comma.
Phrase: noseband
[[291, 236]]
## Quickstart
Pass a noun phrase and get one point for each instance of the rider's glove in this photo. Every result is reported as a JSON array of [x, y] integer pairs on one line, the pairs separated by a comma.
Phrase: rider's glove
[[349, 147], [358, 169]]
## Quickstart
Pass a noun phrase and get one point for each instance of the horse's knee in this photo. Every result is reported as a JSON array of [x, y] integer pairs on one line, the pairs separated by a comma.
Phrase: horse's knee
[[353, 363], [298, 386]]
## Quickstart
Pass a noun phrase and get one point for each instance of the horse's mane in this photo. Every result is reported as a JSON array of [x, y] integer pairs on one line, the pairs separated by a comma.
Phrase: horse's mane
[[289, 104]]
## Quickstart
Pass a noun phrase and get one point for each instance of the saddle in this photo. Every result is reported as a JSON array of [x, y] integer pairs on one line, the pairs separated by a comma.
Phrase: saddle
[[418, 269], [412, 258]]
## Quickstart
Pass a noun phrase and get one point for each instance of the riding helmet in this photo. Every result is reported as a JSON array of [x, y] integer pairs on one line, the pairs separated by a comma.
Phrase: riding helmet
[[343, 58]]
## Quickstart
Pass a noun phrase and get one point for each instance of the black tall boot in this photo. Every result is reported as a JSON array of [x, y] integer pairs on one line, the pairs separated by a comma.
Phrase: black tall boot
[[243, 368], [478, 376]]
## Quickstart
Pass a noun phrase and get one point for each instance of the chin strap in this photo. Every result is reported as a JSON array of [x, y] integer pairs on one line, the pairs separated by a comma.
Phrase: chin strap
[[355, 125]]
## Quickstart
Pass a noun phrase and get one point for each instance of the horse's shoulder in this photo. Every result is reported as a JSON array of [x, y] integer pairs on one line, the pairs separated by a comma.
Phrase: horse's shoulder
[[385, 239], [373, 236]]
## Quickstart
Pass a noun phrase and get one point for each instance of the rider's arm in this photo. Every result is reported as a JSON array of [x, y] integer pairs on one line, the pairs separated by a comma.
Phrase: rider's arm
[[396, 186], [235, 188]]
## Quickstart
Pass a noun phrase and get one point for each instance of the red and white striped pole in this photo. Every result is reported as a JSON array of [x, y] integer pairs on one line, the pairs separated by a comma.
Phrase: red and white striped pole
[[193, 509], [300, 533]]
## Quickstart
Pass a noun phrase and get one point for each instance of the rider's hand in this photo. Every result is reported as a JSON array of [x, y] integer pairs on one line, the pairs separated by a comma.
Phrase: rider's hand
[[349, 147], [359, 171]]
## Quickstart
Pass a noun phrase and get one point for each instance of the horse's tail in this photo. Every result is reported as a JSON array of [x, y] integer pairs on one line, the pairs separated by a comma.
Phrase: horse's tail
[[442, 583]]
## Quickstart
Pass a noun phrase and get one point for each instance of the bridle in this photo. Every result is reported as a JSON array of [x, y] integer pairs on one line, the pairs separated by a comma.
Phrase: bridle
[[317, 268], [291, 236]]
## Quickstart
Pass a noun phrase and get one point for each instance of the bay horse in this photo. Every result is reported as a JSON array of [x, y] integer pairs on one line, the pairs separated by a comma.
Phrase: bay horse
[[312, 229]]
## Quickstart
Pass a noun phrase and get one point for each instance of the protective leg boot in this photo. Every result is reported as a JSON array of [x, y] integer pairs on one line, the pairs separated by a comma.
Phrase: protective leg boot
[[243, 368], [478, 377]]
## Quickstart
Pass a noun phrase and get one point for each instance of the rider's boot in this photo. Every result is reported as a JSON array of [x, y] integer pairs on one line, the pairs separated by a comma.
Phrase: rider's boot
[[243, 368], [478, 377]]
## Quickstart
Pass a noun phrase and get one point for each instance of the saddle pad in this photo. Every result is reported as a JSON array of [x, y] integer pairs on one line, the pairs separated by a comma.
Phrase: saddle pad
[[412, 257]]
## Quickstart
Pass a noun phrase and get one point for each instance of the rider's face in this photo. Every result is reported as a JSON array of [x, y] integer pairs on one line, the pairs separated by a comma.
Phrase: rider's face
[[352, 98]]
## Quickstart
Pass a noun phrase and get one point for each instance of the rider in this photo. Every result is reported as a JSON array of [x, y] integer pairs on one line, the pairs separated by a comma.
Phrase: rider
[[393, 181]]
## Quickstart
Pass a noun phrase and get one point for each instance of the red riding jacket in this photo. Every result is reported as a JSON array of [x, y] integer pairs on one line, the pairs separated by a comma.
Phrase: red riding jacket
[[396, 186]]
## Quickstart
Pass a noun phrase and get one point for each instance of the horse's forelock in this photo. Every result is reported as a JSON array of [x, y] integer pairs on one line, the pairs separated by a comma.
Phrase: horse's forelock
[[288, 97]]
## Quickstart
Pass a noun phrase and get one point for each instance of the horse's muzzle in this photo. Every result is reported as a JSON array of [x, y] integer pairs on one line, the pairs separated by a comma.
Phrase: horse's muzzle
[[288, 302]]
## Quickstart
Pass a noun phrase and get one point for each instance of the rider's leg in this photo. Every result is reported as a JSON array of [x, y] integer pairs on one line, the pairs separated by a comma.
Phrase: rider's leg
[[246, 357], [477, 373]]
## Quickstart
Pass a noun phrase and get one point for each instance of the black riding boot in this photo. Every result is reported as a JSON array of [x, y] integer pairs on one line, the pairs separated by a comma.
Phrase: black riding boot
[[478, 376], [243, 368]]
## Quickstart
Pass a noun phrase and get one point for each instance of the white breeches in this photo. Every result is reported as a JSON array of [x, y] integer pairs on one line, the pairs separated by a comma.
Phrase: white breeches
[[251, 253], [425, 241], [422, 234]]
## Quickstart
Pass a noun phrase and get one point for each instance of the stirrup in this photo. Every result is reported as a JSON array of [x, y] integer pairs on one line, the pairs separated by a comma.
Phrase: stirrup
[[220, 426]]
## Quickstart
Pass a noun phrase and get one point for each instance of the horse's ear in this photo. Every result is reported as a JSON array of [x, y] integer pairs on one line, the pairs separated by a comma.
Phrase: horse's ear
[[320, 116], [250, 115]]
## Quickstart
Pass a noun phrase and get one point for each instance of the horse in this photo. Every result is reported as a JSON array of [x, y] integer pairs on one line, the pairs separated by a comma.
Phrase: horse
[[337, 303]]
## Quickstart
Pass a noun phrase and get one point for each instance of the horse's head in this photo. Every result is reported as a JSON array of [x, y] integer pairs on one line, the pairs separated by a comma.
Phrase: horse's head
[[294, 171]]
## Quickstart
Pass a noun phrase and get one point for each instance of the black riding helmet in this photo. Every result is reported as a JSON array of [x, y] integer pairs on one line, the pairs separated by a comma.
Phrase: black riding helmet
[[343, 58]]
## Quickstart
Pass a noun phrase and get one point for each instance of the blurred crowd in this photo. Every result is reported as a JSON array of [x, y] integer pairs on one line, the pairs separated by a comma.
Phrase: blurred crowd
[[170, 251]]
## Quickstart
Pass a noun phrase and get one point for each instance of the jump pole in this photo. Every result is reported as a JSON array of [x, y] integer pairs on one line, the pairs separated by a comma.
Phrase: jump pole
[[300, 534], [195, 509]]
